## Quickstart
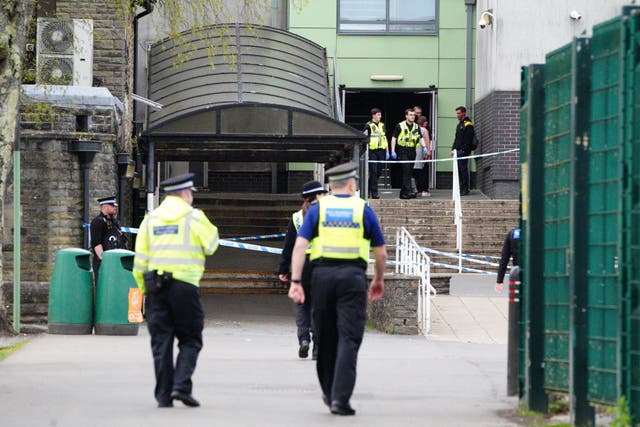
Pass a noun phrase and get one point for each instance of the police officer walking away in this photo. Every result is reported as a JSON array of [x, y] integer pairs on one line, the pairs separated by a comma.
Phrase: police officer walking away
[[105, 232], [509, 251], [378, 149], [170, 255], [462, 146], [312, 191], [342, 228]]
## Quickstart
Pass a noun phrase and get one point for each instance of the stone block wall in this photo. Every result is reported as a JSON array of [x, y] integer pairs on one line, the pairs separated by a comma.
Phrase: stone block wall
[[397, 311], [52, 186], [109, 40], [497, 122]]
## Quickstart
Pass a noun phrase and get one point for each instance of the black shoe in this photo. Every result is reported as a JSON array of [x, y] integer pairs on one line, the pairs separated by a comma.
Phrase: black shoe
[[375, 196], [338, 408], [405, 196], [465, 193], [314, 353], [303, 351], [165, 405], [413, 195], [187, 399], [326, 400]]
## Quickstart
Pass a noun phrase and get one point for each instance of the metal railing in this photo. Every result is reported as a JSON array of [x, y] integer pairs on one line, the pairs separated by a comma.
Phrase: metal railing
[[457, 205], [411, 260]]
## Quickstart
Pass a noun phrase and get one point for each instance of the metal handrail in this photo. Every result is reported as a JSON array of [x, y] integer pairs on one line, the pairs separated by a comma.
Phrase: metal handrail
[[457, 206], [411, 260]]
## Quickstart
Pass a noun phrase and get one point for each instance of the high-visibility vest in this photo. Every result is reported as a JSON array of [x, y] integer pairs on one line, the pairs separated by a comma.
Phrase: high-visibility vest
[[377, 136], [408, 137], [174, 238], [341, 229], [297, 219]]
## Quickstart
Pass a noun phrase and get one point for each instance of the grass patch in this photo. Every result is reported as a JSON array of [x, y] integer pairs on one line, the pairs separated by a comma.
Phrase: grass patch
[[8, 350]]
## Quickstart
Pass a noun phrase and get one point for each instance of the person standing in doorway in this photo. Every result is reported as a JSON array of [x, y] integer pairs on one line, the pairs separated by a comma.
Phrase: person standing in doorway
[[462, 148], [421, 168], [172, 243], [342, 228], [406, 136], [311, 192], [378, 149]]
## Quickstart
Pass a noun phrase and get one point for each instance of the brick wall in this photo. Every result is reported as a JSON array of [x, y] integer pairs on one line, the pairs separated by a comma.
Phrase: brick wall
[[397, 311], [497, 122]]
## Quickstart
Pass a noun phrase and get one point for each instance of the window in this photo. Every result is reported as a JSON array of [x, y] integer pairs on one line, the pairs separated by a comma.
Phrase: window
[[387, 16]]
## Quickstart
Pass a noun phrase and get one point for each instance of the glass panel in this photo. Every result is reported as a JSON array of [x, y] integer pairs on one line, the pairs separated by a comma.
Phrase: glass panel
[[362, 27], [363, 10], [412, 10]]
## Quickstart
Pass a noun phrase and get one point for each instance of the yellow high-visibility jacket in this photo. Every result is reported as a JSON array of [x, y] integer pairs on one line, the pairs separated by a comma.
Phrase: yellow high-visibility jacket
[[175, 237]]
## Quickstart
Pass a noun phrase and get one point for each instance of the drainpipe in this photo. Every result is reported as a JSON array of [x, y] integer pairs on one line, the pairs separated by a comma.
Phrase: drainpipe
[[148, 8], [86, 151], [470, 4]]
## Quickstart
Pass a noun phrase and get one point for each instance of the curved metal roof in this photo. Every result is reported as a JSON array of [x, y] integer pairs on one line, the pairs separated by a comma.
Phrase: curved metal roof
[[238, 88]]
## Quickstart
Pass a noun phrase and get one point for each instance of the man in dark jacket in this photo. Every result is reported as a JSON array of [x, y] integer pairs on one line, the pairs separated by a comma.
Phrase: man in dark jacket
[[462, 146], [509, 250]]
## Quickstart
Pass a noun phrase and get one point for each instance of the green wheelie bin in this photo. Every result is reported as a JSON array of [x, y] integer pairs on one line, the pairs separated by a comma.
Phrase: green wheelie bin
[[112, 293], [71, 293]]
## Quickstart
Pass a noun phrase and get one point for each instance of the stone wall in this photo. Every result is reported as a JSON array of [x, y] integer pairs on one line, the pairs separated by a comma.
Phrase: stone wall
[[52, 185], [497, 123], [397, 311], [109, 40]]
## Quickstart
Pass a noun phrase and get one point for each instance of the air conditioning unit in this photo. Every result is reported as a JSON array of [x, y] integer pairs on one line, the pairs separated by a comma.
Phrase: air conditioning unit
[[64, 54]]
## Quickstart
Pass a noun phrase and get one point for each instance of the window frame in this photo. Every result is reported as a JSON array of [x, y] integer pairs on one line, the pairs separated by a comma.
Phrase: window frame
[[387, 23]]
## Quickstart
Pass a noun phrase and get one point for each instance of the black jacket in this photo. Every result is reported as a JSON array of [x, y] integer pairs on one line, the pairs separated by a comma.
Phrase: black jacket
[[464, 136], [509, 250]]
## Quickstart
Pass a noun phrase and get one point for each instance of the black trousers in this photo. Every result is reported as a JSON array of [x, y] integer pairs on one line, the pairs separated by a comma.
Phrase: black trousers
[[96, 267], [175, 312], [375, 169], [463, 172], [303, 311], [339, 313], [422, 178], [406, 153]]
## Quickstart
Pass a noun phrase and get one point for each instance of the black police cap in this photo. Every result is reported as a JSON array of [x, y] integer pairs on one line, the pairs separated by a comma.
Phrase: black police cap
[[111, 200], [342, 172], [312, 187], [177, 183]]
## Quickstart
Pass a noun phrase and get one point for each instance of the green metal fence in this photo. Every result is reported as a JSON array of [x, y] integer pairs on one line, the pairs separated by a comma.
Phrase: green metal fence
[[605, 210], [581, 297]]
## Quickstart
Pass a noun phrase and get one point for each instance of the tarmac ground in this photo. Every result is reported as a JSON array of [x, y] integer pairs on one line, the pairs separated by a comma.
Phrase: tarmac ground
[[249, 374]]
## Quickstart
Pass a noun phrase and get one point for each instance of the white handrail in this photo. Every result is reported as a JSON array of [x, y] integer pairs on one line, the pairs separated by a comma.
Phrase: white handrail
[[457, 205], [411, 260]]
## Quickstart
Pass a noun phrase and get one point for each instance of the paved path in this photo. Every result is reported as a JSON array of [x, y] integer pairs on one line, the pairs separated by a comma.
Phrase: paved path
[[249, 375]]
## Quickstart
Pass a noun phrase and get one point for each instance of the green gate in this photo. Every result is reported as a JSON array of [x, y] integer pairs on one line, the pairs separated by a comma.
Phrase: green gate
[[605, 211], [557, 221]]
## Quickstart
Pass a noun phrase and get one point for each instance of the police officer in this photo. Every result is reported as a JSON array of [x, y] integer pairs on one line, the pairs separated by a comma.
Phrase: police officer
[[105, 232], [378, 149], [170, 255], [341, 229], [311, 192], [462, 146], [509, 251], [406, 136]]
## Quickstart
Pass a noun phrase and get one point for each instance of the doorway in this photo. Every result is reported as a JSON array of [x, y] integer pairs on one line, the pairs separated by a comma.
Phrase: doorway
[[357, 103]]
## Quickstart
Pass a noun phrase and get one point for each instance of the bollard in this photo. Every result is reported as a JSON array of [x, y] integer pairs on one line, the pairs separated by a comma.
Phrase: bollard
[[514, 319]]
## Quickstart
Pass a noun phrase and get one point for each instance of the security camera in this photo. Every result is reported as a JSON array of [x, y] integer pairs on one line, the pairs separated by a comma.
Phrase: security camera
[[575, 15], [486, 18]]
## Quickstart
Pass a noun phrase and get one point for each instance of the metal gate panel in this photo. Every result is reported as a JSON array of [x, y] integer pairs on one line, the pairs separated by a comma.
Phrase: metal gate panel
[[631, 295], [604, 211], [557, 220]]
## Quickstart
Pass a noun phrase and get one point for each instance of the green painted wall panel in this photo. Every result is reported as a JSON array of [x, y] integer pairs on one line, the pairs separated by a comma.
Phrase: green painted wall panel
[[388, 47], [453, 14], [453, 43], [325, 37], [452, 73], [357, 72]]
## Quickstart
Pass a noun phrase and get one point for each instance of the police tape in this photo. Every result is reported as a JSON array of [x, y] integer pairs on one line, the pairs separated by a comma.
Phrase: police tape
[[250, 247], [125, 229], [456, 256], [259, 237], [467, 255], [448, 159]]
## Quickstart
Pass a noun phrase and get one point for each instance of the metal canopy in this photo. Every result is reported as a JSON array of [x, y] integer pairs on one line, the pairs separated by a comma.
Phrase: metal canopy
[[244, 93]]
